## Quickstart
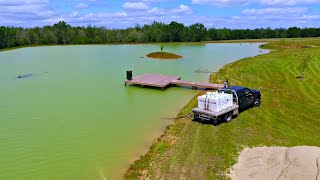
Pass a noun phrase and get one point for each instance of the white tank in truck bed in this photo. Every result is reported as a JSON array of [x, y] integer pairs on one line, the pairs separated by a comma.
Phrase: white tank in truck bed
[[215, 102]]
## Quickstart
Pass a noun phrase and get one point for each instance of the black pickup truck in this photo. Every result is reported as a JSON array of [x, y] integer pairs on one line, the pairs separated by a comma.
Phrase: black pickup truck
[[242, 98], [246, 97]]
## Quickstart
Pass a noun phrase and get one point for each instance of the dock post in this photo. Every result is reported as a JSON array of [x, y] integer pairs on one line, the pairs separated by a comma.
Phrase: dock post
[[129, 75]]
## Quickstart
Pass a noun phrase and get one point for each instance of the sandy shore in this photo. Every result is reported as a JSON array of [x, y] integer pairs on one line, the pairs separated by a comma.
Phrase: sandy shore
[[267, 163]]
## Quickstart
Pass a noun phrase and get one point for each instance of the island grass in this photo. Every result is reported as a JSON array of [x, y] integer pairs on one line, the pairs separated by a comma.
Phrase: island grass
[[164, 55], [289, 116]]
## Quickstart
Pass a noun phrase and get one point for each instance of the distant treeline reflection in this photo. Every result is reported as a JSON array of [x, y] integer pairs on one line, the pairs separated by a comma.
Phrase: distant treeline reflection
[[63, 33]]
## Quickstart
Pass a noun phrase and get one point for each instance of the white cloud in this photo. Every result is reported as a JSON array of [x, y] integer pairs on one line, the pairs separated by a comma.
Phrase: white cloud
[[310, 17], [152, 1], [22, 2], [183, 9], [81, 6], [221, 3], [287, 2], [21, 11], [100, 18], [106, 15], [275, 11], [157, 11], [135, 6]]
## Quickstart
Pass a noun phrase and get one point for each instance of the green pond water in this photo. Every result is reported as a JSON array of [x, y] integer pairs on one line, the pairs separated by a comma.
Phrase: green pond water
[[73, 118]]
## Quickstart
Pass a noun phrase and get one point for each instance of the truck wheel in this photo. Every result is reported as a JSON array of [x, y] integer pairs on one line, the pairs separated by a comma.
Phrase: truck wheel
[[214, 122], [228, 117], [256, 103], [195, 117]]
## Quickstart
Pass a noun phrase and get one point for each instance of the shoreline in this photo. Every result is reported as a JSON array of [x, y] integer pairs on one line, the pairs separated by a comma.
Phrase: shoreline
[[159, 43], [171, 145], [210, 78], [170, 43]]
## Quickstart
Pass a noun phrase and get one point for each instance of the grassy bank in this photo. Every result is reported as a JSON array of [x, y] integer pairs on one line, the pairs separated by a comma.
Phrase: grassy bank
[[289, 116], [262, 40]]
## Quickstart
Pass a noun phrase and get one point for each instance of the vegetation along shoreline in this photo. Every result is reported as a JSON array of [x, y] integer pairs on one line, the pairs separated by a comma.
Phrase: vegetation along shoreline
[[62, 33], [286, 117]]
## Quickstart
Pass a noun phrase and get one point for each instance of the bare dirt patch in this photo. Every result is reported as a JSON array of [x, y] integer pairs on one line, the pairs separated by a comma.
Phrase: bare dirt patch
[[301, 162]]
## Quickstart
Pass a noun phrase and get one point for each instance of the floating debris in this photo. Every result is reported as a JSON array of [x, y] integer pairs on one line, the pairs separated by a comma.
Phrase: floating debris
[[203, 70], [23, 76]]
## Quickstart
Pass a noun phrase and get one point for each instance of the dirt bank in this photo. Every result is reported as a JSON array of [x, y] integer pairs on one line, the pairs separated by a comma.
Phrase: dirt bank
[[164, 55], [301, 162]]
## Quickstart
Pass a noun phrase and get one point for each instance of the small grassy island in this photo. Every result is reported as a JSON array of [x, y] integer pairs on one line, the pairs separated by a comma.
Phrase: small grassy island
[[164, 55]]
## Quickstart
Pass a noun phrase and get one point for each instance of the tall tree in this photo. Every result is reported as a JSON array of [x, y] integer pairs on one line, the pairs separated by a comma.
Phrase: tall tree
[[175, 31], [197, 32]]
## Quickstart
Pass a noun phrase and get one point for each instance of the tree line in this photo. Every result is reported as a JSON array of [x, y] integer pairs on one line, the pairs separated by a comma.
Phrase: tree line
[[63, 33]]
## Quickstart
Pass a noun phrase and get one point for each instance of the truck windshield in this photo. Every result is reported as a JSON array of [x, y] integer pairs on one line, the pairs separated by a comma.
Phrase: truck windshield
[[229, 91]]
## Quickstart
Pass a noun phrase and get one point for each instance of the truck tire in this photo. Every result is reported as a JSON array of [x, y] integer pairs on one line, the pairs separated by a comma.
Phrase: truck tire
[[256, 103], [227, 117], [215, 121], [195, 117]]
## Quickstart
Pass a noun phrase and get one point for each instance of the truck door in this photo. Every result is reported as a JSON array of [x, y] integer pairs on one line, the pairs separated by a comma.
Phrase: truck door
[[248, 97], [241, 98]]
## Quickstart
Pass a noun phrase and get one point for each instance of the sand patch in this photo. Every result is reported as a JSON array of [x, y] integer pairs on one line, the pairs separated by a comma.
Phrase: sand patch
[[266, 163]]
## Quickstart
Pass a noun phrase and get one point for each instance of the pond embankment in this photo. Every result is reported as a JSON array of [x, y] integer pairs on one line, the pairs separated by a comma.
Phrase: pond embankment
[[286, 117]]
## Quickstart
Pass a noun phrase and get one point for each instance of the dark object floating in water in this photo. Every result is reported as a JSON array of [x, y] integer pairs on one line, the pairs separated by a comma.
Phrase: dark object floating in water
[[24, 76], [203, 70]]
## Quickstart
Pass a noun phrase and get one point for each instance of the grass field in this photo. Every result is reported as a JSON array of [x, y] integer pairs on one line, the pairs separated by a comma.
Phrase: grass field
[[288, 116]]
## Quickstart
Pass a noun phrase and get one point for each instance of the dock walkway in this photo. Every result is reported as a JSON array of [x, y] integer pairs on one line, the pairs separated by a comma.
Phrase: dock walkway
[[163, 81]]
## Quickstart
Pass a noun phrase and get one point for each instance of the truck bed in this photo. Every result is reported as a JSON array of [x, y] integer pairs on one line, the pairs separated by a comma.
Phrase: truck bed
[[214, 114]]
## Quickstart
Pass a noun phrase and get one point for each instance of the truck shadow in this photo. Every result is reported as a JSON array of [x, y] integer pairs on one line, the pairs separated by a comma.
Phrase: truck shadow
[[207, 122], [220, 121], [245, 109]]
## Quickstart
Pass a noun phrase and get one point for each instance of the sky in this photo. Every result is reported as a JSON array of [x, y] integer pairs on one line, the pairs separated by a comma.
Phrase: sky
[[234, 14]]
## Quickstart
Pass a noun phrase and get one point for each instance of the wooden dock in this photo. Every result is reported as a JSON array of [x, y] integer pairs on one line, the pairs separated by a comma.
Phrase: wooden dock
[[163, 81], [196, 85]]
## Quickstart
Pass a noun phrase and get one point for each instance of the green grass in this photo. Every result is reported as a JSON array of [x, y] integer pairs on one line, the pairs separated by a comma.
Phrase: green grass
[[288, 116], [261, 40]]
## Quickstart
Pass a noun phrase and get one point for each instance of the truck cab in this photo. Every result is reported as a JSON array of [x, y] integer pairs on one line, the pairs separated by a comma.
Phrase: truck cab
[[246, 97]]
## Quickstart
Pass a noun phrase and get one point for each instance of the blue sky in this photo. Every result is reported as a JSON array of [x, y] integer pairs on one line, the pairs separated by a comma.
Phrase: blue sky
[[127, 13]]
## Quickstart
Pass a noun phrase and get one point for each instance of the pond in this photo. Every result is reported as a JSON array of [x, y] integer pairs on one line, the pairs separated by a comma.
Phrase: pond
[[69, 115]]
